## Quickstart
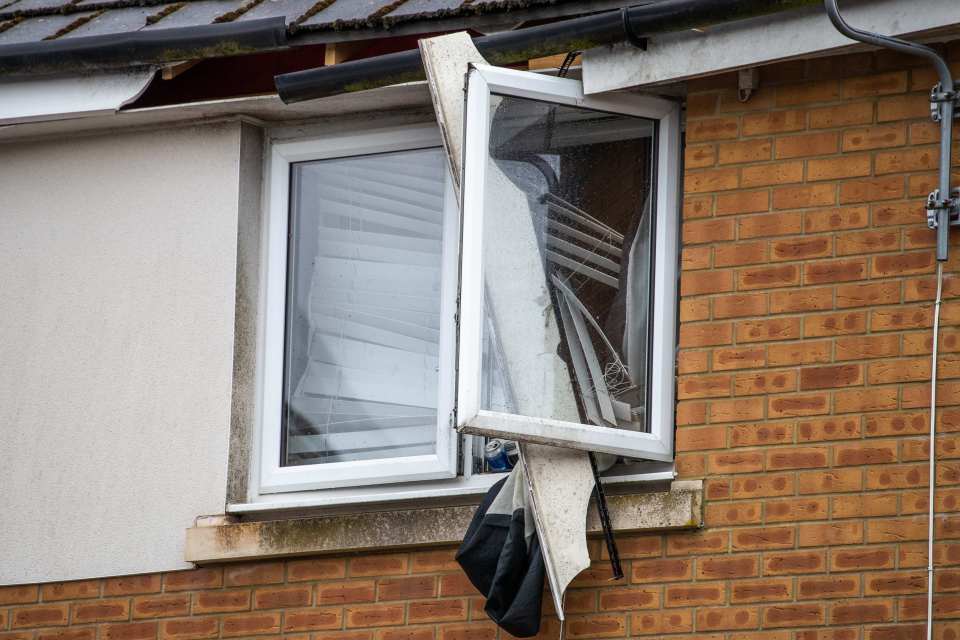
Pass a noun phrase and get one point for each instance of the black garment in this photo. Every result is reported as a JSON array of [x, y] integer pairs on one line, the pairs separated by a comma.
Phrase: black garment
[[501, 556]]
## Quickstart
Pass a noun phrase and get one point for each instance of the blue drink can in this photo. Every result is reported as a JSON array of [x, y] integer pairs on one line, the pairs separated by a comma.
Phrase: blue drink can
[[497, 456]]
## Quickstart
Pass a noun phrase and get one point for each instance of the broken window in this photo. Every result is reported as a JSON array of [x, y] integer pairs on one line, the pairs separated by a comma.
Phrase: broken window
[[542, 310], [567, 292]]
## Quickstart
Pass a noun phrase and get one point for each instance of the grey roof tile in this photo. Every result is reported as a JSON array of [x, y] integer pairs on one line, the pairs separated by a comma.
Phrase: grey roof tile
[[346, 11], [506, 5], [292, 9], [425, 7], [114, 21], [195, 13], [31, 5], [35, 29]]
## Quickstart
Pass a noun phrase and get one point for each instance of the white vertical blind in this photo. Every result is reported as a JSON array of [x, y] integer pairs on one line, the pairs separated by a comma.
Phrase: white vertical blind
[[364, 309]]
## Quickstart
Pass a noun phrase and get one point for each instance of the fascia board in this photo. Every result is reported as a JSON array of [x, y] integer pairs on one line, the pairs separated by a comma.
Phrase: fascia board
[[67, 97], [673, 57]]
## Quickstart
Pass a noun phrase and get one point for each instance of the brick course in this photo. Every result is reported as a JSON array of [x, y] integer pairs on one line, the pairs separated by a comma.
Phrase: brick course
[[802, 401]]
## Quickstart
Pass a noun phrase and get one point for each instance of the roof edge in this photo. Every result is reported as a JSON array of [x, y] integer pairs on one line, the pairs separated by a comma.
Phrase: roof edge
[[94, 53]]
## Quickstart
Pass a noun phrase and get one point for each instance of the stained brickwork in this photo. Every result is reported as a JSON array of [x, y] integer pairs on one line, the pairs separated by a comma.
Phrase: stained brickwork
[[804, 355]]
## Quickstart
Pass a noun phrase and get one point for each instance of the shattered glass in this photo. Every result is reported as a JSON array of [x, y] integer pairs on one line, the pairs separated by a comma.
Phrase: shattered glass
[[567, 258]]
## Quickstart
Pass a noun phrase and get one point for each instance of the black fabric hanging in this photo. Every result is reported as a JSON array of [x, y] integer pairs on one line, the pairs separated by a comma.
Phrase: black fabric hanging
[[502, 558]]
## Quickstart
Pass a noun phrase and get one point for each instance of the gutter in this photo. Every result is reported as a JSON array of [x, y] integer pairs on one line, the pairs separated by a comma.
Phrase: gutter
[[140, 48], [509, 47]]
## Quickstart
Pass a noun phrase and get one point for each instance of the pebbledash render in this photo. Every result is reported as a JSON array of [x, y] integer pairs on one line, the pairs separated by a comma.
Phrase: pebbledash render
[[802, 404]]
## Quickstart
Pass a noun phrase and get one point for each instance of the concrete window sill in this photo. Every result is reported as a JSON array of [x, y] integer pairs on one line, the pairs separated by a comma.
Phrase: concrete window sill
[[680, 507]]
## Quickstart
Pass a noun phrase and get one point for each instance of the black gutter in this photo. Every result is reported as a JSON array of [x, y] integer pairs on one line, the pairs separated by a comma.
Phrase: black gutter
[[521, 45], [156, 46]]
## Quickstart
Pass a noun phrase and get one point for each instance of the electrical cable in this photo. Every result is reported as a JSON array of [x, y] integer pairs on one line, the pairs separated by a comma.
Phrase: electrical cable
[[933, 448]]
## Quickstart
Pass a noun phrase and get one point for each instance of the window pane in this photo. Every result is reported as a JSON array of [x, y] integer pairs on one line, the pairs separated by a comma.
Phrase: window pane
[[363, 307], [566, 259]]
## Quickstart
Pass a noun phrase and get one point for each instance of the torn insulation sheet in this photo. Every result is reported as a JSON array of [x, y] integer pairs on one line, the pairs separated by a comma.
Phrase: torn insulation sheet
[[560, 480]]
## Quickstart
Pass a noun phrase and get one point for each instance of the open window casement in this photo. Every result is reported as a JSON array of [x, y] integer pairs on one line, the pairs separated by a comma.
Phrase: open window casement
[[567, 315]]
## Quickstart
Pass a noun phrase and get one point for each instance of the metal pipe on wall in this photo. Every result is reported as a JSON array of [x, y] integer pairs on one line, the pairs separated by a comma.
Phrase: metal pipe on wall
[[940, 206], [943, 96]]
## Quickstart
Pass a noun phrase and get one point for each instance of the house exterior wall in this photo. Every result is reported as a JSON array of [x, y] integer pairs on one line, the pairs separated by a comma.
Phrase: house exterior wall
[[804, 342], [118, 261]]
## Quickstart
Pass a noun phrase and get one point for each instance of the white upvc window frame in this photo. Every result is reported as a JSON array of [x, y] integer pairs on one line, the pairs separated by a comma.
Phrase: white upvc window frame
[[484, 80], [271, 476]]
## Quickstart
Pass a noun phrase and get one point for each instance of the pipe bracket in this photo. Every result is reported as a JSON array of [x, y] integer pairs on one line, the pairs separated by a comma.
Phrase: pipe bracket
[[938, 98], [937, 204]]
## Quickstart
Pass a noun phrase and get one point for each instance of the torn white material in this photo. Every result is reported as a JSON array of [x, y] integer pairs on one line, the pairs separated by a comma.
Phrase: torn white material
[[39, 99], [445, 61], [687, 54], [561, 483], [519, 302], [560, 480]]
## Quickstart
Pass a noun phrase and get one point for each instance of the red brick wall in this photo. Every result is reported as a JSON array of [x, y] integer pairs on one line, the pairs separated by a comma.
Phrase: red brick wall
[[805, 340]]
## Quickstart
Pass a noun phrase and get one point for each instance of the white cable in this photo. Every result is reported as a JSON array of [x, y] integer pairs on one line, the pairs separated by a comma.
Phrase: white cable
[[933, 448]]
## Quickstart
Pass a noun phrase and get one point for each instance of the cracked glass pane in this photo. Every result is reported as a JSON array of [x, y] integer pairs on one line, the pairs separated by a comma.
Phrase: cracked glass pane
[[566, 262]]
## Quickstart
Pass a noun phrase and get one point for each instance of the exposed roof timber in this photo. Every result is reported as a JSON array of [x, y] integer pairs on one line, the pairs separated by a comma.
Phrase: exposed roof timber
[[677, 56]]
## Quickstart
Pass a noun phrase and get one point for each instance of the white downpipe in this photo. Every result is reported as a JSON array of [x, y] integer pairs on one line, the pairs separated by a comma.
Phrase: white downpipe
[[933, 448]]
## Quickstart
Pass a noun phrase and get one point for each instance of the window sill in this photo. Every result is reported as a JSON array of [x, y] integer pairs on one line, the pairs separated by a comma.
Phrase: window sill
[[415, 494], [680, 507]]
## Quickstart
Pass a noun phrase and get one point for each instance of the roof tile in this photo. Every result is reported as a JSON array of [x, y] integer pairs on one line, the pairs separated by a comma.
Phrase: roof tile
[[115, 21], [40, 28]]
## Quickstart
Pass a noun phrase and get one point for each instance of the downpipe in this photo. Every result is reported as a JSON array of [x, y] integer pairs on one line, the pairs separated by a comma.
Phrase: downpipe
[[942, 212]]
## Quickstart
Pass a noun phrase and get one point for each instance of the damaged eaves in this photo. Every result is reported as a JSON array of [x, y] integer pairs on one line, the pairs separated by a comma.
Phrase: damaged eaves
[[143, 48], [319, 20]]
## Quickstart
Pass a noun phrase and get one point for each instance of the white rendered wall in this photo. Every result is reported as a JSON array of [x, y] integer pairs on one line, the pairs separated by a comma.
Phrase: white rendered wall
[[117, 280]]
